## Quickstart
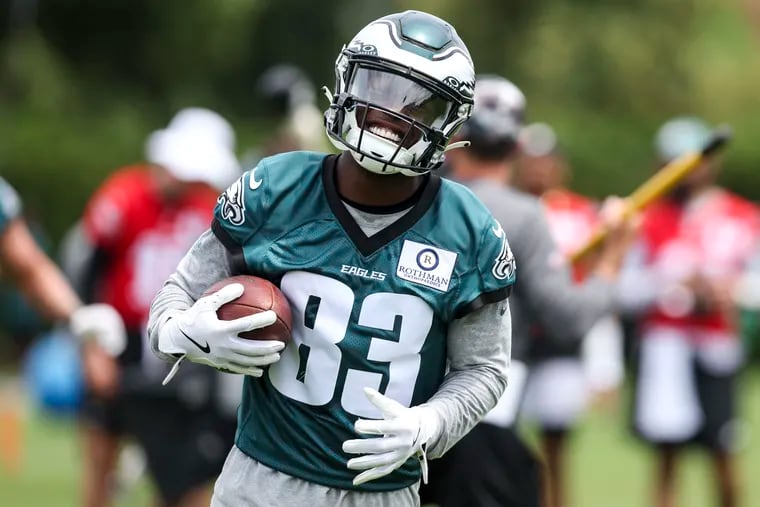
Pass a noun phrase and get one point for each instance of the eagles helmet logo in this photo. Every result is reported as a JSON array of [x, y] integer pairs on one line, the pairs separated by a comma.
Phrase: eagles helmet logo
[[232, 204], [467, 88]]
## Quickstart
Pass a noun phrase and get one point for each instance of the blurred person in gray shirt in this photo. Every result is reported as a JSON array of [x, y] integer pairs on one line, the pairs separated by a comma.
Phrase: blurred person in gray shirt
[[491, 465]]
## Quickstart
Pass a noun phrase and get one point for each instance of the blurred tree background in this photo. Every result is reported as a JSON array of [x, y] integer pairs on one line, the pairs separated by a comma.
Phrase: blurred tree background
[[83, 82]]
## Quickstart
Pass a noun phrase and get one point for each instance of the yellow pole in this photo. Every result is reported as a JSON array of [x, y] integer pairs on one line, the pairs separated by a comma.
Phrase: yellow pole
[[658, 185]]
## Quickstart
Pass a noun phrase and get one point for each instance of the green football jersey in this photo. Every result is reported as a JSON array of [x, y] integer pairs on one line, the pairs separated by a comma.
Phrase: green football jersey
[[367, 311], [10, 204]]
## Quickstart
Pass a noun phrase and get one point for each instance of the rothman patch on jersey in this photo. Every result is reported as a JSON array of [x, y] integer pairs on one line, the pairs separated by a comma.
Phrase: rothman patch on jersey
[[426, 265]]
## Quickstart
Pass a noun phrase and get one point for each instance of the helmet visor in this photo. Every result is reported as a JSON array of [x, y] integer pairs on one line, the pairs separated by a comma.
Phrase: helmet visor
[[399, 94]]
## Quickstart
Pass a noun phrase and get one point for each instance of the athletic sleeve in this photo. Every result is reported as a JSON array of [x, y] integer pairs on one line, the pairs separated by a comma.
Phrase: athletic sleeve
[[494, 273], [205, 263], [241, 211], [564, 309], [10, 204], [479, 354]]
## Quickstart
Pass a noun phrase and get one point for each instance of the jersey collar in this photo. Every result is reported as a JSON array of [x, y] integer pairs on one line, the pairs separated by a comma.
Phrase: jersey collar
[[369, 245]]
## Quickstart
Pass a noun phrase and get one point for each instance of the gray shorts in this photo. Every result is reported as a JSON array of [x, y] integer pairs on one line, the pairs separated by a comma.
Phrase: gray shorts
[[244, 482]]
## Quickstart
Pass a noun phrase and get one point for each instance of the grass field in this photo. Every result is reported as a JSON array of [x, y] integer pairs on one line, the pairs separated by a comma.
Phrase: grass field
[[609, 467]]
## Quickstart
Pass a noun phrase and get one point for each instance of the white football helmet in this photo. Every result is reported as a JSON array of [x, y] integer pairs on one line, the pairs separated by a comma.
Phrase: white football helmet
[[404, 85], [496, 119]]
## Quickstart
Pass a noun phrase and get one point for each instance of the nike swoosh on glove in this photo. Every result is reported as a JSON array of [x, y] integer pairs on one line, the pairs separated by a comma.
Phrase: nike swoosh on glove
[[197, 334], [102, 323], [404, 430]]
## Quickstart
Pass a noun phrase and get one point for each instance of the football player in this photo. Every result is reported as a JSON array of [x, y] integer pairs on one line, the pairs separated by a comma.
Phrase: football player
[[492, 465], [136, 227], [695, 246], [392, 274]]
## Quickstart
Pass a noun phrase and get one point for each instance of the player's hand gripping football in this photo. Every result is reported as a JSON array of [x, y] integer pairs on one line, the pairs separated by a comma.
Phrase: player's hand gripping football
[[198, 335], [404, 432]]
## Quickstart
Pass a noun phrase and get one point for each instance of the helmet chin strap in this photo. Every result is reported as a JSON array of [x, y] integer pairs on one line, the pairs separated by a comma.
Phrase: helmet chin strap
[[458, 144]]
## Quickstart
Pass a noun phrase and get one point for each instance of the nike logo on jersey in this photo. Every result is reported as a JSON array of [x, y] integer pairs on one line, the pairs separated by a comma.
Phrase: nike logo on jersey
[[204, 348], [253, 183]]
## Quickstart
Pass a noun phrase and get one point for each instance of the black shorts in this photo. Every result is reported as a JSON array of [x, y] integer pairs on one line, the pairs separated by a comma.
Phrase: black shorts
[[717, 395], [185, 443], [714, 400], [489, 467]]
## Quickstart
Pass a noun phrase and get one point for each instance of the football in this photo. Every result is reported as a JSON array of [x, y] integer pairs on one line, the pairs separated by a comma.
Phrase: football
[[259, 295]]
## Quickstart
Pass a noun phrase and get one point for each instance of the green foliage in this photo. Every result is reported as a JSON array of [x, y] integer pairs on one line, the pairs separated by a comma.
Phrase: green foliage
[[82, 83]]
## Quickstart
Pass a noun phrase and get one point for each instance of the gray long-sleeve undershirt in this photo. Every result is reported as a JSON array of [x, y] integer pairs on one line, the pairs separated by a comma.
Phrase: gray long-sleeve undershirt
[[544, 293], [478, 343]]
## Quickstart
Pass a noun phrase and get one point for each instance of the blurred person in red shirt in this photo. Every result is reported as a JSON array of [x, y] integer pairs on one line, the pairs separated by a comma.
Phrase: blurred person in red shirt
[[682, 278], [564, 371], [136, 228]]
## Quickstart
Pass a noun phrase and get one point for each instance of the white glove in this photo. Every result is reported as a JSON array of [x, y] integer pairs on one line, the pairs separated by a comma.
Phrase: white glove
[[405, 431], [102, 323], [198, 335]]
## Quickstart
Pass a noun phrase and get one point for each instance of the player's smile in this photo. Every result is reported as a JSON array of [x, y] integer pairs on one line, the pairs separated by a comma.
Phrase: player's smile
[[384, 132], [391, 128]]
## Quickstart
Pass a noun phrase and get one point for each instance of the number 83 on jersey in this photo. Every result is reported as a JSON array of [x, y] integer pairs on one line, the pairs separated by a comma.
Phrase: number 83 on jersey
[[310, 366]]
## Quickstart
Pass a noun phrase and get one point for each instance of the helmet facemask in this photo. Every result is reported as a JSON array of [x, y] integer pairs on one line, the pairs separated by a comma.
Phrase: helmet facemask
[[391, 118]]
